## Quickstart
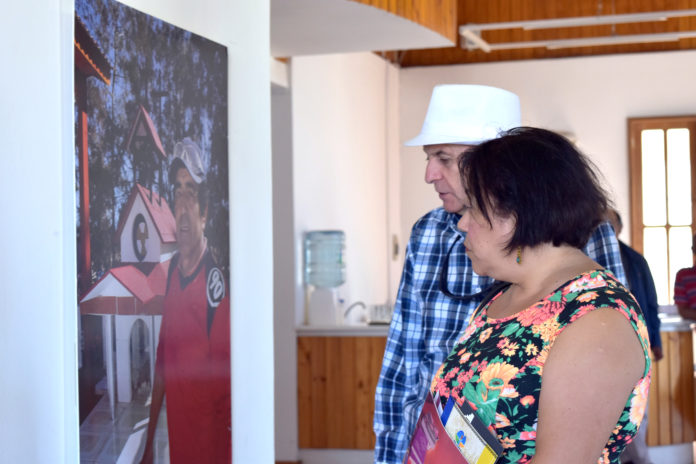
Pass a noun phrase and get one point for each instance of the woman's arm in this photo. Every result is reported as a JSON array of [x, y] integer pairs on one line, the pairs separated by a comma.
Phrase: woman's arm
[[590, 372]]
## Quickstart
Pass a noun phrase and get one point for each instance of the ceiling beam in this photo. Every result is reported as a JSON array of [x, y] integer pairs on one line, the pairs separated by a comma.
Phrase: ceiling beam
[[472, 40], [579, 21], [579, 42]]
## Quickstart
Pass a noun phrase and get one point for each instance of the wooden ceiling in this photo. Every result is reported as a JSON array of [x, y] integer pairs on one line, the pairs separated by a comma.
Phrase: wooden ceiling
[[494, 11]]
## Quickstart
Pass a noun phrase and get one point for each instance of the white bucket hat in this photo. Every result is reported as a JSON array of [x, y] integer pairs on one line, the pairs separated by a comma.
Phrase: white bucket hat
[[467, 115]]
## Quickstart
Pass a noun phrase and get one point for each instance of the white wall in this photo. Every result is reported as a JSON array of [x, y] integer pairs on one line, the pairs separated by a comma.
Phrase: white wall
[[340, 144], [38, 354], [335, 163], [589, 97], [284, 256]]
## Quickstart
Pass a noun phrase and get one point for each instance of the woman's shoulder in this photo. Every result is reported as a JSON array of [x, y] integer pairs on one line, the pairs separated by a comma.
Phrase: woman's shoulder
[[598, 289], [600, 310], [592, 284]]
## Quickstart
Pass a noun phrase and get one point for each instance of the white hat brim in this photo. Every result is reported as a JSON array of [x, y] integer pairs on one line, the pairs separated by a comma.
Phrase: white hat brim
[[466, 114], [433, 139]]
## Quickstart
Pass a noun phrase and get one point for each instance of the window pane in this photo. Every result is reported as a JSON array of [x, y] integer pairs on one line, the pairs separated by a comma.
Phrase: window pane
[[680, 255], [653, 169], [679, 175], [655, 246]]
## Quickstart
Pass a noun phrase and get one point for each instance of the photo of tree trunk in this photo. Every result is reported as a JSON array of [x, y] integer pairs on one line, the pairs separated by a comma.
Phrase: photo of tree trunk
[[152, 195]]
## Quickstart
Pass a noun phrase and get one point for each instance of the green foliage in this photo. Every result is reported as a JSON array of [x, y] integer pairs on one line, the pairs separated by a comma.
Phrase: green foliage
[[181, 80]]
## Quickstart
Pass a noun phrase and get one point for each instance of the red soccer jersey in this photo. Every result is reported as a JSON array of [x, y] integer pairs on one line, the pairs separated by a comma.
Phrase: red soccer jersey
[[194, 357], [685, 287]]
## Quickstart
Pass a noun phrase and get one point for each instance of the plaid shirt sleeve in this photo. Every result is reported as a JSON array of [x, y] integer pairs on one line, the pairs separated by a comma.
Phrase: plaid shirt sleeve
[[603, 247], [397, 372]]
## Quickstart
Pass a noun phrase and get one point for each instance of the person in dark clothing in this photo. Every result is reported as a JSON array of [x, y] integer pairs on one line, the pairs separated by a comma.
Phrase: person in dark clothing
[[641, 284]]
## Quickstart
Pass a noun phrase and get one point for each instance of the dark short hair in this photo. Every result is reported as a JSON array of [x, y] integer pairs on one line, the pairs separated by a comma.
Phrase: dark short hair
[[539, 178], [619, 221], [202, 187]]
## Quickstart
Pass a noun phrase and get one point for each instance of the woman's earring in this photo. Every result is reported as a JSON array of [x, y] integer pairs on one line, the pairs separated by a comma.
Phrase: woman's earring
[[519, 255]]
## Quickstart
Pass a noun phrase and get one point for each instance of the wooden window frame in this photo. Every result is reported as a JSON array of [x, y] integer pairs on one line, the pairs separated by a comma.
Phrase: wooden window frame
[[635, 126]]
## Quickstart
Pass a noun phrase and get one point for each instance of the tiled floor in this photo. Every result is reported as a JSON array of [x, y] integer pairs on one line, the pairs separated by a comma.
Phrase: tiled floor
[[121, 440]]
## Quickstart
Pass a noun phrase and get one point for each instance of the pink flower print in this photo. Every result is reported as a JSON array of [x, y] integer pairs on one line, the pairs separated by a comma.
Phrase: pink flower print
[[621, 304], [438, 375], [586, 282], [587, 296], [482, 367], [582, 310], [450, 375], [539, 313], [467, 332], [503, 342], [531, 435], [464, 377], [440, 386]]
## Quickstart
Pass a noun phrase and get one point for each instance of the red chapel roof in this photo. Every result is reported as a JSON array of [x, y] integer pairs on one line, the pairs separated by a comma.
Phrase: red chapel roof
[[144, 121], [146, 292], [159, 211]]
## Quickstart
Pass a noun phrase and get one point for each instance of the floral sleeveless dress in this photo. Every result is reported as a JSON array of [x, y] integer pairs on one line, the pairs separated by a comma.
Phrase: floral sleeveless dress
[[497, 365]]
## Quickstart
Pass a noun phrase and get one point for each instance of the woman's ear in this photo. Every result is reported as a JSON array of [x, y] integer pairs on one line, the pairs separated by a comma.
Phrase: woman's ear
[[507, 224]]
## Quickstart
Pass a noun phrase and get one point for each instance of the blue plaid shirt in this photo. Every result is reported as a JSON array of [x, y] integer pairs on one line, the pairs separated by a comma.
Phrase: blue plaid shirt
[[427, 323]]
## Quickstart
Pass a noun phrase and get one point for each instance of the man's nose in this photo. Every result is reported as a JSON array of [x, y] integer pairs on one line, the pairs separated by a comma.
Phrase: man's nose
[[432, 171]]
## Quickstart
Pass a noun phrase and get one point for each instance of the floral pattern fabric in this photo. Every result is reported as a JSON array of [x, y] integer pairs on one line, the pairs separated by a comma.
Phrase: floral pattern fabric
[[497, 365]]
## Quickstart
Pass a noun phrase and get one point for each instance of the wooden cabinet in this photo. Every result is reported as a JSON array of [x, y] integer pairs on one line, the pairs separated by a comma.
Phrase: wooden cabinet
[[336, 381], [337, 377], [671, 410]]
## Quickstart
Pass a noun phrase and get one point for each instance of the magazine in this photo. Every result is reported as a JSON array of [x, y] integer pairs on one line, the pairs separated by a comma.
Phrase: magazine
[[452, 434]]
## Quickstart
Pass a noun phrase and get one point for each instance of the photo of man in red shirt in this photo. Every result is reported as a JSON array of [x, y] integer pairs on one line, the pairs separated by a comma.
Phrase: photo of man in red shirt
[[192, 369]]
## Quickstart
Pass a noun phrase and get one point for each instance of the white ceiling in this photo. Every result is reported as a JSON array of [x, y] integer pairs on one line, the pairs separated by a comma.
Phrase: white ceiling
[[311, 27]]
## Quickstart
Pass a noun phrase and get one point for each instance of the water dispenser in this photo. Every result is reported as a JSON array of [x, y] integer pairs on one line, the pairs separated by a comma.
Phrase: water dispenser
[[324, 272]]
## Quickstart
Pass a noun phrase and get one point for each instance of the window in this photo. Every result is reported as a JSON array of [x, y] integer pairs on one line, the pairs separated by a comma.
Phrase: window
[[663, 195]]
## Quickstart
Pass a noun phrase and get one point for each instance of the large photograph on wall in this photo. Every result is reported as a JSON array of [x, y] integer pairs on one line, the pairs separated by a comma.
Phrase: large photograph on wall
[[153, 239]]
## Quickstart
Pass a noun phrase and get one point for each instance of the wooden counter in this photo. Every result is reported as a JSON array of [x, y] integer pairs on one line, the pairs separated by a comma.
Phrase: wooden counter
[[671, 410], [338, 369], [336, 381]]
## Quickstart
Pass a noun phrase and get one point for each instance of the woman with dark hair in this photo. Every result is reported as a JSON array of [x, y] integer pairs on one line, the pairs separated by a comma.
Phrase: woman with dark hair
[[556, 363]]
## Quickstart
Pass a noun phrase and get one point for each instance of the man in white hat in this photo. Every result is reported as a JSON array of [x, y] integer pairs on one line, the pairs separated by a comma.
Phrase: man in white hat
[[439, 289]]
